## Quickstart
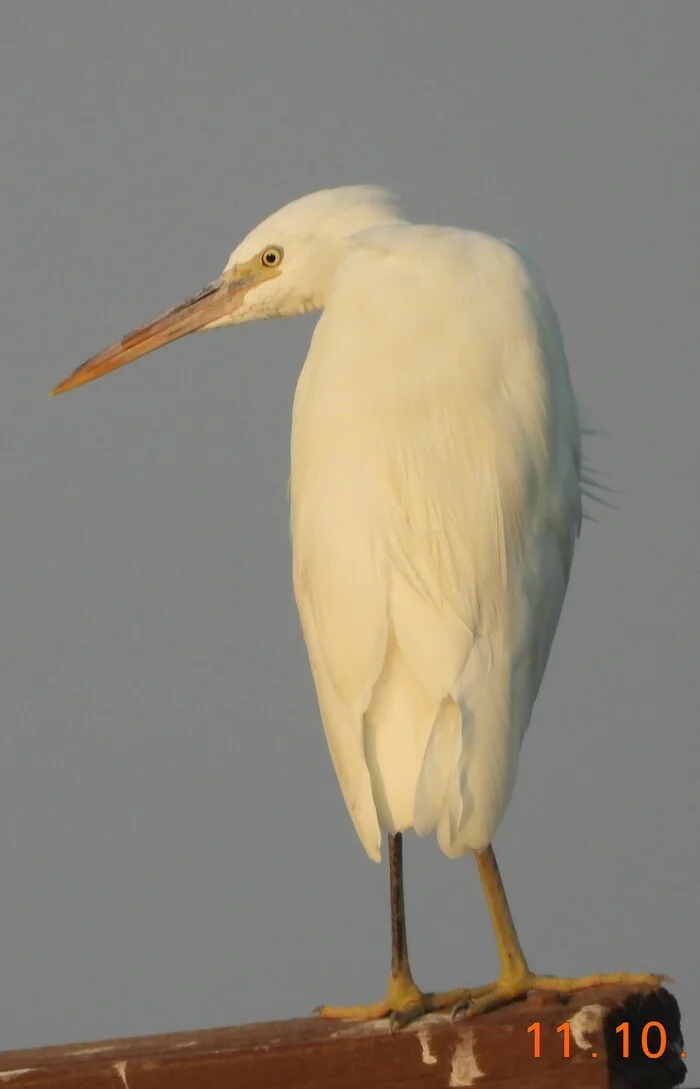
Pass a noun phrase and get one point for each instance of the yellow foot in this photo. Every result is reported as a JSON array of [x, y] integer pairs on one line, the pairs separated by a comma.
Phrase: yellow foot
[[492, 995], [404, 1002]]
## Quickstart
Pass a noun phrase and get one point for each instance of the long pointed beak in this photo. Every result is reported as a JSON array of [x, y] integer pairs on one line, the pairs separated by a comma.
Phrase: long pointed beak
[[215, 302]]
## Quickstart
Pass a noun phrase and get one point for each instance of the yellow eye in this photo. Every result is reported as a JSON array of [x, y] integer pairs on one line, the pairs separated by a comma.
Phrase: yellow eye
[[271, 257]]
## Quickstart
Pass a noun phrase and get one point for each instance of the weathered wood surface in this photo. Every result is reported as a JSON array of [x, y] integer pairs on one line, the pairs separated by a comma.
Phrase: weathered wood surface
[[496, 1049]]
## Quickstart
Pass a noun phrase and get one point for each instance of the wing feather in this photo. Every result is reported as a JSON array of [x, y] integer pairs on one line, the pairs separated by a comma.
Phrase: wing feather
[[435, 506]]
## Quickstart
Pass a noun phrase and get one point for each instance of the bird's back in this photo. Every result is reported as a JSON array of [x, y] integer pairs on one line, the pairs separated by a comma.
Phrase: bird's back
[[435, 502]]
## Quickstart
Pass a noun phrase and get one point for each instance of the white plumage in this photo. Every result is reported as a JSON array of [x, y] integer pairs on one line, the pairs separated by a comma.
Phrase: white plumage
[[435, 494], [435, 504]]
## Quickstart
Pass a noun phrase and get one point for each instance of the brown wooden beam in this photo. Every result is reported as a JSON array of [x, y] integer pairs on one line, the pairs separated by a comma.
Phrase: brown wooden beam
[[501, 1048]]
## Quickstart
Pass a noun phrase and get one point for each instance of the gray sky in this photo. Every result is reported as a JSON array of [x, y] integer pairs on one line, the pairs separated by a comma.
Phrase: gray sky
[[174, 848]]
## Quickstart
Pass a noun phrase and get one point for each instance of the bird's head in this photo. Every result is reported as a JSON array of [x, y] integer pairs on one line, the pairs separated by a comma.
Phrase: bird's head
[[283, 267]]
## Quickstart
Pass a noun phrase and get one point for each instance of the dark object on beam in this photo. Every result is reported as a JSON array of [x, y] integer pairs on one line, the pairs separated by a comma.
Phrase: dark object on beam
[[605, 1039]]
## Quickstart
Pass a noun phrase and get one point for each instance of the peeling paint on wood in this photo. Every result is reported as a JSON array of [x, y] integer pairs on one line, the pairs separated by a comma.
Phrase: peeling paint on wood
[[588, 1020], [424, 1040], [435, 1053], [465, 1069]]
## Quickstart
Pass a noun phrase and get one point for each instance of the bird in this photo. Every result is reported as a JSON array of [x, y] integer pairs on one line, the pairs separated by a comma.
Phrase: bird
[[435, 503]]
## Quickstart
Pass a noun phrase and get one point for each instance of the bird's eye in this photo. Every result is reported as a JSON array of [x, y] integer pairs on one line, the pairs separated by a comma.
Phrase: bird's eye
[[271, 256]]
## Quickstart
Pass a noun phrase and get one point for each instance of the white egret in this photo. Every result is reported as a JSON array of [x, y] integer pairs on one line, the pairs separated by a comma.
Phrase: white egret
[[435, 503]]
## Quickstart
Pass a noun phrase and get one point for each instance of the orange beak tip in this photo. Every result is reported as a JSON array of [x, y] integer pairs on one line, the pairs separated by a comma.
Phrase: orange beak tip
[[211, 304], [60, 388]]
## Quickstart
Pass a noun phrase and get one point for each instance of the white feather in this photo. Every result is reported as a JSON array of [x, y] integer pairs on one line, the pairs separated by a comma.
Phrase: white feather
[[435, 495], [435, 502]]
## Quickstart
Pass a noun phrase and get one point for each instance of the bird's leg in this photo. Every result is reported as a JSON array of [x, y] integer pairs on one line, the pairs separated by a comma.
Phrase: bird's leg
[[516, 979], [403, 1002]]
